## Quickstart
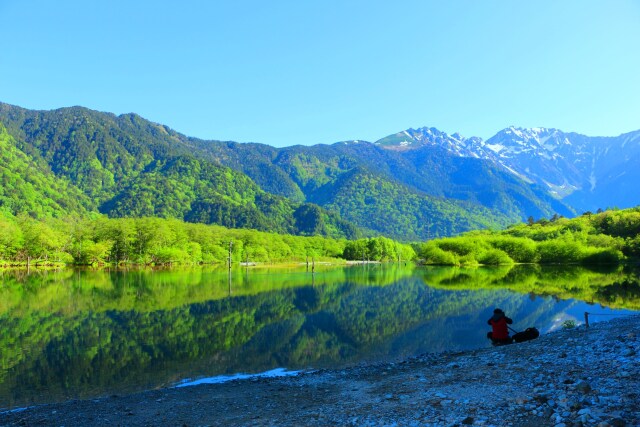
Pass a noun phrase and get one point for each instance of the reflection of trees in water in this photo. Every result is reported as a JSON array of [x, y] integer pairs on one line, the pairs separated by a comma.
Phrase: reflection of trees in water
[[614, 287], [308, 298], [626, 291], [90, 331]]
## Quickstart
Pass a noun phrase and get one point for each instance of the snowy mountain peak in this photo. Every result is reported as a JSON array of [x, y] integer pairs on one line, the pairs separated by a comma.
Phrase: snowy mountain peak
[[414, 138], [516, 141], [567, 164], [527, 134]]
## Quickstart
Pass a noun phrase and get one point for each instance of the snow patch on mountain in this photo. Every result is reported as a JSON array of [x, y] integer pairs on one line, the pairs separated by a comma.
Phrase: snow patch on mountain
[[496, 148]]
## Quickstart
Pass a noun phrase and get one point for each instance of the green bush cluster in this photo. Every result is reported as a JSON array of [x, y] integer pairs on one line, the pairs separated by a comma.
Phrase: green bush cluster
[[609, 237], [150, 241], [378, 249]]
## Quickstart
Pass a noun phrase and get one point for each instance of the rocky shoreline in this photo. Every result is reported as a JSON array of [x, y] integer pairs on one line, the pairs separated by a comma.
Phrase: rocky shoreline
[[568, 378]]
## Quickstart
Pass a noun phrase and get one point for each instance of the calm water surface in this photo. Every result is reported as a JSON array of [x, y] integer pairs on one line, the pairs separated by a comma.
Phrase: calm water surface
[[82, 334]]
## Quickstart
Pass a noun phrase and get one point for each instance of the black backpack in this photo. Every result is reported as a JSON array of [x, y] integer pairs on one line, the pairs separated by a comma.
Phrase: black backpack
[[526, 335]]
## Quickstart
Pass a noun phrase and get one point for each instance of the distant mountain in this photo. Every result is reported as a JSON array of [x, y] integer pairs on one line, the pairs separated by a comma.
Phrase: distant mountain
[[585, 172], [436, 182], [414, 138], [407, 194], [413, 185]]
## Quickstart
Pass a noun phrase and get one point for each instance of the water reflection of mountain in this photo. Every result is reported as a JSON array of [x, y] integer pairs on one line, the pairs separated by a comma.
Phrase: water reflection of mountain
[[81, 334]]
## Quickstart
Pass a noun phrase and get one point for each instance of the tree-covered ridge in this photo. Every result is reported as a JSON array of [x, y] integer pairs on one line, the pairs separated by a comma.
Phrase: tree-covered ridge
[[404, 214], [27, 188], [158, 241], [98, 152], [185, 188], [608, 237], [196, 191], [256, 161], [129, 166], [429, 173], [480, 182]]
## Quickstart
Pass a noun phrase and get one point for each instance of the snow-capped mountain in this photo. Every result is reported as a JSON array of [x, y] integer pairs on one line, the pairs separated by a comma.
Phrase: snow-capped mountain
[[413, 138], [586, 172], [545, 156]]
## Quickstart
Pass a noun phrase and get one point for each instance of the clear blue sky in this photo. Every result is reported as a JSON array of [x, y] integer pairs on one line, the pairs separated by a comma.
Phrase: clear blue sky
[[308, 72]]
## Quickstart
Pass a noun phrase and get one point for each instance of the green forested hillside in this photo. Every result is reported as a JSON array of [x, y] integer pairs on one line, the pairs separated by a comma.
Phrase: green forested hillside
[[98, 152], [473, 188], [25, 187], [480, 182], [409, 215], [126, 166]]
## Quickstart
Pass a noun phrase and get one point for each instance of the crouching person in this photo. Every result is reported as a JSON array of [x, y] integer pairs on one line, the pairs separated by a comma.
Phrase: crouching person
[[499, 334]]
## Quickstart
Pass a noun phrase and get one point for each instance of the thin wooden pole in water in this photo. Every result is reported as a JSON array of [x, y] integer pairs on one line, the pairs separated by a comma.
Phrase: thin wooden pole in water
[[586, 319], [230, 247]]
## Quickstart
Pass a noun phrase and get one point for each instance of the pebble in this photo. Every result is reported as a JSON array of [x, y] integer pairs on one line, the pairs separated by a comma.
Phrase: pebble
[[583, 387]]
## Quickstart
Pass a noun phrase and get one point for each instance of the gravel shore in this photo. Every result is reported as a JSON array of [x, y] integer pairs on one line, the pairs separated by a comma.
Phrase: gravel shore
[[571, 377]]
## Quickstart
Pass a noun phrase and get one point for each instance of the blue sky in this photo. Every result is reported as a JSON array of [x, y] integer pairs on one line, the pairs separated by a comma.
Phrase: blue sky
[[308, 72]]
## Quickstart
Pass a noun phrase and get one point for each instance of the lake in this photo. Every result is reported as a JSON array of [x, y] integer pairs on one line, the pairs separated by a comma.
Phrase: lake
[[86, 333]]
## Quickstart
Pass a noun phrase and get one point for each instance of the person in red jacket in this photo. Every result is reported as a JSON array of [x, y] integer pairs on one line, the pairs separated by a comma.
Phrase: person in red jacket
[[499, 334]]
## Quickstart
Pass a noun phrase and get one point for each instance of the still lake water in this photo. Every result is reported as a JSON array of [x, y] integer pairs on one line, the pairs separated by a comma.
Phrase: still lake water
[[85, 333]]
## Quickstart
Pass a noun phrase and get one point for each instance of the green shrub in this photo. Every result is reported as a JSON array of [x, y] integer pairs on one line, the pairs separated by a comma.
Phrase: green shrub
[[171, 255], [602, 241], [435, 255], [559, 252], [603, 256], [495, 257], [468, 260], [522, 250], [632, 246], [461, 245]]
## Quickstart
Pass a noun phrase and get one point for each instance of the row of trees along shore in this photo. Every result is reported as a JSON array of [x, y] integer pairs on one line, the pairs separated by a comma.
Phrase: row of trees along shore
[[608, 237], [157, 241]]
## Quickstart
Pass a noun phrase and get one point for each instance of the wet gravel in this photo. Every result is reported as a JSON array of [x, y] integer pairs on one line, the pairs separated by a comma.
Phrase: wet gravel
[[568, 378]]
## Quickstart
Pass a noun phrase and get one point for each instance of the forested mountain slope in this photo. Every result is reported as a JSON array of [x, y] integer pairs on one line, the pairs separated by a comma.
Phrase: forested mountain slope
[[126, 166], [448, 187], [28, 189]]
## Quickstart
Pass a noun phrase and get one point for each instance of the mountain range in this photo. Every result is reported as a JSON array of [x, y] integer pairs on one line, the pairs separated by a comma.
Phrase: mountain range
[[412, 185], [585, 172]]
